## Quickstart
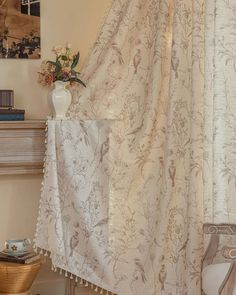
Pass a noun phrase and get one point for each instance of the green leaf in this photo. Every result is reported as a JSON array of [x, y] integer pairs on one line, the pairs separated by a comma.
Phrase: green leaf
[[64, 57], [73, 73], [75, 61], [56, 64], [78, 81]]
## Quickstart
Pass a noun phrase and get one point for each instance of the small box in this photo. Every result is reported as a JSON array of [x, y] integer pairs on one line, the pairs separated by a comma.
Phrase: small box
[[6, 98]]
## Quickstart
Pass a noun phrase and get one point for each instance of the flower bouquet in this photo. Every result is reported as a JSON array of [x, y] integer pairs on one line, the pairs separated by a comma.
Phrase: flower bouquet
[[60, 73], [62, 69]]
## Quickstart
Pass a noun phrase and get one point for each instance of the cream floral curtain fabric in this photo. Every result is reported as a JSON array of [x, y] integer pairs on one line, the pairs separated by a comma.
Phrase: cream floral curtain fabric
[[220, 112], [145, 77], [73, 217], [147, 72]]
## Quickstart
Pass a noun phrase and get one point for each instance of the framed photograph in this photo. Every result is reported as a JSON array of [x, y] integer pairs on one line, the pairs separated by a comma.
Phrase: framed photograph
[[20, 29]]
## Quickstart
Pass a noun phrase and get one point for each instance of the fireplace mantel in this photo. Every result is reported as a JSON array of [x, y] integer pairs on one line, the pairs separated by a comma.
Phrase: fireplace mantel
[[22, 147]]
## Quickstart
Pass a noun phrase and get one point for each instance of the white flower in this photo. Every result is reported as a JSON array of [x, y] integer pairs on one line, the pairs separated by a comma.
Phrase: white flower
[[58, 50]]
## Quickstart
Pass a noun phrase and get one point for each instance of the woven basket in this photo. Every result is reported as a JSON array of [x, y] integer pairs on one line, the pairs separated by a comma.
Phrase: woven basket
[[17, 278]]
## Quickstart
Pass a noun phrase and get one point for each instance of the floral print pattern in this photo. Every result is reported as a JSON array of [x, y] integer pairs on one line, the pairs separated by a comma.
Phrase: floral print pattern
[[220, 107], [135, 226]]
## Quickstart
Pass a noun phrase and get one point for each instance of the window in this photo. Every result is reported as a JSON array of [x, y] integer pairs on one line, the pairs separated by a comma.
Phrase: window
[[30, 7]]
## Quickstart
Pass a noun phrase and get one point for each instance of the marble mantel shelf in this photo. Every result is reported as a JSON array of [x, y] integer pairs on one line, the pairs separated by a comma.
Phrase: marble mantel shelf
[[22, 147]]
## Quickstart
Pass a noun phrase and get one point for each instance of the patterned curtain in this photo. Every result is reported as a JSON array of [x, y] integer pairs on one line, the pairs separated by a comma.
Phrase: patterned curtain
[[135, 226], [220, 112], [146, 73]]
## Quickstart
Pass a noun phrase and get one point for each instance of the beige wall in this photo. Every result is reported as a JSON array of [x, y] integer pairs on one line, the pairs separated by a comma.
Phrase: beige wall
[[18, 206], [75, 21]]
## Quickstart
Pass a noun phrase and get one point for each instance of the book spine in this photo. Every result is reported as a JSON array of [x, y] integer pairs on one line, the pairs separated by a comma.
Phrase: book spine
[[12, 117], [12, 259]]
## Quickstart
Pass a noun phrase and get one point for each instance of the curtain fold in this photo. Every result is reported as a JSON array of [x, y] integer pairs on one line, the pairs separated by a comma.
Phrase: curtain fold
[[161, 72], [152, 83], [220, 112]]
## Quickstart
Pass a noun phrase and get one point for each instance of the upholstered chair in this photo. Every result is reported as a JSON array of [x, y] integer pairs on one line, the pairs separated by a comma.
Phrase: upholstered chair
[[219, 278]]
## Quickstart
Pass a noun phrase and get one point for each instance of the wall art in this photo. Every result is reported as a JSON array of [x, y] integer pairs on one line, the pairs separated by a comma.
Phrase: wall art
[[20, 29]]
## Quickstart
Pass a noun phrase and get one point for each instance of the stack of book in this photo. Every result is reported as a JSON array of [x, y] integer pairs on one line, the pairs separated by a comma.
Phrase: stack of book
[[25, 258], [12, 114]]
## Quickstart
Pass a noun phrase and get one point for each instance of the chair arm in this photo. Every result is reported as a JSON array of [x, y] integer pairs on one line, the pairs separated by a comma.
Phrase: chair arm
[[229, 252]]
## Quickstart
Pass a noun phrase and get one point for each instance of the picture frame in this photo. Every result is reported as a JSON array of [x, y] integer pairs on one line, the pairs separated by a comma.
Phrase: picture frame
[[20, 29]]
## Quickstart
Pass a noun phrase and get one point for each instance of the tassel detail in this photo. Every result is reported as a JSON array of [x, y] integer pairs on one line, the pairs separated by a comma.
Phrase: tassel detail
[[96, 289], [71, 277], [81, 281], [101, 292], [86, 284]]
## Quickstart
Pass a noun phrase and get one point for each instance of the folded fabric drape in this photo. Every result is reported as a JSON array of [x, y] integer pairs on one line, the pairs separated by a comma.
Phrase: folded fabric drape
[[220, 113], [123, 208], [73, 217]]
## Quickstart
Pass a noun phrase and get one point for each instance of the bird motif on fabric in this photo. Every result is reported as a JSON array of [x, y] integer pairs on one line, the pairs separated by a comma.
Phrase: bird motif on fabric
[[162, 276], [139, 270], [137, 129], [175, 63], [104, 149], [137, 60], [74, 241], [172, 172], [118, 53], [184, 245]]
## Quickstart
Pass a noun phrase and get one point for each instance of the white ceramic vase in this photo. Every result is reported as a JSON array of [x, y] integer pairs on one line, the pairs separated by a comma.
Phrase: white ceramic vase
[[59, 100]]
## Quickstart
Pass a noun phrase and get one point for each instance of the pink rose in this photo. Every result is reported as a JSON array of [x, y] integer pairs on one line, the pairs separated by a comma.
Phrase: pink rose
[[49, 79]]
